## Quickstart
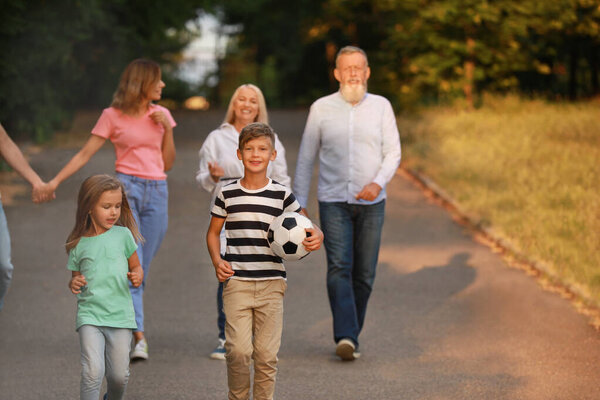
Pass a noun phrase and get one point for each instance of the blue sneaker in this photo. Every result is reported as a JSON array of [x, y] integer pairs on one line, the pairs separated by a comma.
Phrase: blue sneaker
[[219, 352], [105, 396]]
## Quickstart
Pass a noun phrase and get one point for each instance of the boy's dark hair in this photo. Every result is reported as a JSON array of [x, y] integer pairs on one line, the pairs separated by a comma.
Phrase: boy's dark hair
[[256, 130]]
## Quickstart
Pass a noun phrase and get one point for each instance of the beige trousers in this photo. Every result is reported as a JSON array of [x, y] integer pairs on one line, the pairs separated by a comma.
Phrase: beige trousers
[[254, 321]]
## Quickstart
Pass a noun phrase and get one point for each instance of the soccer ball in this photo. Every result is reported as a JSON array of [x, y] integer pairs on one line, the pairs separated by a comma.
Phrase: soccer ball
[[286, 234]]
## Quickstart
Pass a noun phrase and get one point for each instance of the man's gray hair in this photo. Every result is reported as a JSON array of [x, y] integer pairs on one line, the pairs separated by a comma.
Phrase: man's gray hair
[[350, 50]]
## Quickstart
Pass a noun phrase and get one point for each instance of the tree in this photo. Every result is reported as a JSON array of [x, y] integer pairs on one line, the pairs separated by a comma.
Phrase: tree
[[422, 50], [61, 55]]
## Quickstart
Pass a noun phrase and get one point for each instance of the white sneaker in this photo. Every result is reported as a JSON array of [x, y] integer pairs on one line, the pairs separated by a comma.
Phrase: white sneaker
[[140, 351], [346, 350], [219, 352]]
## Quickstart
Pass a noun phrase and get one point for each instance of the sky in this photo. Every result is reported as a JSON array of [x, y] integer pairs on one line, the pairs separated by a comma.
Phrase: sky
[[201, 55]]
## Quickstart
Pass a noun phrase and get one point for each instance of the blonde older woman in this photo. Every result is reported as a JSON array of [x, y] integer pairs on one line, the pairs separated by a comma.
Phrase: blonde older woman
[[219, 165]]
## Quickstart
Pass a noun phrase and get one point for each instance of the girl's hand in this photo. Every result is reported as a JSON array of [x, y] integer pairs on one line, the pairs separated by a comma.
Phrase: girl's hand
[[136, 276], [76, 283], [313, 242], [223, 270], [160, 118], [215, 170]]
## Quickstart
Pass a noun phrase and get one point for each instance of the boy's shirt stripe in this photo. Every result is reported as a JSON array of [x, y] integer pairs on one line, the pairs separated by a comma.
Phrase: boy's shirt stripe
[[248, 242], [287, 202], [265, 273], [220, 203], [233, 225], [253, 208], [269, 194], [252, 258]]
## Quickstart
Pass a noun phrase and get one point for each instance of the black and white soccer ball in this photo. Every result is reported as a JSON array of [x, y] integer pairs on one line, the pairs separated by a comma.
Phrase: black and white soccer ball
[[286, 234]]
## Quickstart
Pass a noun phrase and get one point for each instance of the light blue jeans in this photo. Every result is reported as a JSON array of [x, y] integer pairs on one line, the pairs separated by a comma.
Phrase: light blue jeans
[[149, 202], [352, 237], [104, 351], [6, 267]]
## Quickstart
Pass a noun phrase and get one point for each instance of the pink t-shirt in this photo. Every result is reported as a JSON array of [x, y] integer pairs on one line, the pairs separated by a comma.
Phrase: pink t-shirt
[[137, 141]]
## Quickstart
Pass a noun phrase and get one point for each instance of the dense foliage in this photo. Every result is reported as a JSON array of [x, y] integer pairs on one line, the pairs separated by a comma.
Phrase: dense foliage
[[419, 50], [64, 54]]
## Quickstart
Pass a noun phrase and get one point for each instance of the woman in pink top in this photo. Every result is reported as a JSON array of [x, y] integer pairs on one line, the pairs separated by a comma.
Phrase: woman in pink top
[[142, 133]]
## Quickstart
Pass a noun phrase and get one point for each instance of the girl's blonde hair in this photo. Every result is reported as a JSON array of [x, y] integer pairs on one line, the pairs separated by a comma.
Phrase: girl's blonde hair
[[261, 116], [136, 82], [89, 194]]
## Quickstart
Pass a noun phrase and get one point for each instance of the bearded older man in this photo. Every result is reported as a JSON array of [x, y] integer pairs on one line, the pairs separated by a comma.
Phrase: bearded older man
[[355, 135]]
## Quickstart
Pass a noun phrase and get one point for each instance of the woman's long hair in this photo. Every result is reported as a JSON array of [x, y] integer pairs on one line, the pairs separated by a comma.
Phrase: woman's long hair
[[262, 115], [89, 195], [136, 82]]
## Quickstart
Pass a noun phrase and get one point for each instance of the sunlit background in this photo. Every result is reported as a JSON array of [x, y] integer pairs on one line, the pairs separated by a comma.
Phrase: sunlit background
[[497, 101]]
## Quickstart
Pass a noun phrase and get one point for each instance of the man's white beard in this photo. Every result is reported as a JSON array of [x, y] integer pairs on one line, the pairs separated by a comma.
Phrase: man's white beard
[[353, 93]]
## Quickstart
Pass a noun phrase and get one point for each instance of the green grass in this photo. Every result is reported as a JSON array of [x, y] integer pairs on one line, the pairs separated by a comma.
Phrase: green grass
[[526, 168]]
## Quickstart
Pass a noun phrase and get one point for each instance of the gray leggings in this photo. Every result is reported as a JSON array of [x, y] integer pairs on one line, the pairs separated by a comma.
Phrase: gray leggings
[[104, 349]]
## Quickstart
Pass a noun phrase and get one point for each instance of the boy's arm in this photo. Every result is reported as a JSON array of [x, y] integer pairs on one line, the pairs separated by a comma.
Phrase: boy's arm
[[136, 273], [77, 282], [222, 268]]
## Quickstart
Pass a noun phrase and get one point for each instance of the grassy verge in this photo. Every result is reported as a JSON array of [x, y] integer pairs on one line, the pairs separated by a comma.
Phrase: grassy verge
[[529, 169]]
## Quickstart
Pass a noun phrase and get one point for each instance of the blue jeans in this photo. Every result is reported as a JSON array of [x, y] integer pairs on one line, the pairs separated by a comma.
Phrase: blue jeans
[[149, 204], [352, 237], [220, 312], [6, 267], [104, 351]]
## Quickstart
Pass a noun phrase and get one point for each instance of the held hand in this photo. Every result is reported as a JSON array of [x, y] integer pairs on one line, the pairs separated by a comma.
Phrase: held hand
[[215, 170], [160, 118], [136, 276], [314, 241], [41, 193], [369, 192], [223, 270], [76, 283]]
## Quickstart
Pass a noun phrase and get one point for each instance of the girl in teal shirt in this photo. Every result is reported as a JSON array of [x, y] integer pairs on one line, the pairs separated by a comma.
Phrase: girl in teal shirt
[[102, 258]]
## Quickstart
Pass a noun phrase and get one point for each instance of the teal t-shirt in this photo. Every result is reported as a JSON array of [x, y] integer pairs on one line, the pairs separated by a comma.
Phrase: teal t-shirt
[[103, 260]]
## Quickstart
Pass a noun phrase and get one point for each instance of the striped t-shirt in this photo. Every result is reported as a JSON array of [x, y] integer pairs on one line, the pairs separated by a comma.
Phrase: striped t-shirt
[[248, 214]]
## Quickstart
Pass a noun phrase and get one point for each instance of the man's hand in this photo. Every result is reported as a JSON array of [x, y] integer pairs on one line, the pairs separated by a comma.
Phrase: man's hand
[[369, 192]]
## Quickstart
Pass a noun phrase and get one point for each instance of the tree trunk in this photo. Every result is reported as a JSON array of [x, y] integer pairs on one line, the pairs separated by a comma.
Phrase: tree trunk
[[573, 59], [593, 60], [469, 66]]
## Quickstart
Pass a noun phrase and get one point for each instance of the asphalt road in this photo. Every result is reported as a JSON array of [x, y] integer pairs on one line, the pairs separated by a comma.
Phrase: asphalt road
[[447, 318]]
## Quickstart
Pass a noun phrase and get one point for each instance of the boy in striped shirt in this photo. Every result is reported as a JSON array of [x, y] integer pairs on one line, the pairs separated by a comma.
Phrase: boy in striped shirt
[[255, 278]]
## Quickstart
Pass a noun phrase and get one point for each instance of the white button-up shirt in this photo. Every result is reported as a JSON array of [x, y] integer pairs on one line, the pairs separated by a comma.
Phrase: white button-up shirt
[[356, 145]]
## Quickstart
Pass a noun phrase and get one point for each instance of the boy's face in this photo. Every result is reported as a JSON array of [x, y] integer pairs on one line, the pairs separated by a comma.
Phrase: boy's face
[[256, 154]]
